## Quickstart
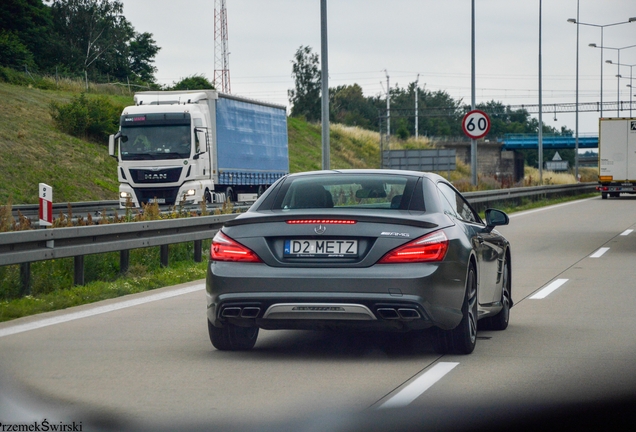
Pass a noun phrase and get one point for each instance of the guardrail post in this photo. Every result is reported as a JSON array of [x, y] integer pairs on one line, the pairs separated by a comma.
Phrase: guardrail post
[[124, 261], [198, 244], [79, 270], [25, 278], [164, 255]]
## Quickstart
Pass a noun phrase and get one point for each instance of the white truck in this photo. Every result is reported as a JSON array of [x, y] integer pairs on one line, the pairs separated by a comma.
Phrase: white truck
[[617, 156], [183, 147]]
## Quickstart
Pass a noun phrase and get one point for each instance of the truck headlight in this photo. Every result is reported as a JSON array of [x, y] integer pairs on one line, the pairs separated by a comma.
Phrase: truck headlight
[[125, 195], [190, 192]]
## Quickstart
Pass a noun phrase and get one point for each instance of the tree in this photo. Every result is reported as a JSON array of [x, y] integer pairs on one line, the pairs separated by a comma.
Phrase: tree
[[98, 40], [143, 50], [349, 107], [25, 33], [305, 97], [193, 82]]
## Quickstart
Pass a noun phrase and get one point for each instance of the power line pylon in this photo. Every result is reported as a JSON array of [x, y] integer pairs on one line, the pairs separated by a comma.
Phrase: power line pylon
[[221, 54]]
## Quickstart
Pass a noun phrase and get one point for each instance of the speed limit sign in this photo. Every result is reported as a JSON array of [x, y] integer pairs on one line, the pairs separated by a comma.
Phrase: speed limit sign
[[476, 124]]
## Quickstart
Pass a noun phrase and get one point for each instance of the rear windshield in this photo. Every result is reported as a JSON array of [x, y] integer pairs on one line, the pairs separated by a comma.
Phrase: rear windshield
[[373, 191]]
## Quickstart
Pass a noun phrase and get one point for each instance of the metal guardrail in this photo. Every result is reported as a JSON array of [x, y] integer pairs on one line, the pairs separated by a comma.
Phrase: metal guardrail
[[483, 199], [25, 247]]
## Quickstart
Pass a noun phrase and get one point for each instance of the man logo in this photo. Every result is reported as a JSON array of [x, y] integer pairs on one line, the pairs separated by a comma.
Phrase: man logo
[[155, 176]]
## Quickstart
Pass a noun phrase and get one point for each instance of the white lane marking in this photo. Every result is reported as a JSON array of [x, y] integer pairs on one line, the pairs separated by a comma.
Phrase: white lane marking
[[97, 310], [627, 232], [599, 253], [548, 289], [422, 383]]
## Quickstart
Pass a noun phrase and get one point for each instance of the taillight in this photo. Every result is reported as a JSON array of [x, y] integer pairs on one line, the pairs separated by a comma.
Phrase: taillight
[[321, 222], [431, 247], [225, 249]]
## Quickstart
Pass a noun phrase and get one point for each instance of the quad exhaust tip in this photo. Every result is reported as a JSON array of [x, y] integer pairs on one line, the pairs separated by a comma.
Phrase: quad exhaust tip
[[400, 313], [242, 312]]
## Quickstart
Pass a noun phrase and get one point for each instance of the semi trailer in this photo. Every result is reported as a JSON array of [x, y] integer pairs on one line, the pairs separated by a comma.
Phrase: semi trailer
[[185, 147], [617, 156]]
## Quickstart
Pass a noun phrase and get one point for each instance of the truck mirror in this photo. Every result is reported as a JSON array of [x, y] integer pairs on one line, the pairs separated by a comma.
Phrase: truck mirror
[[111, 145]]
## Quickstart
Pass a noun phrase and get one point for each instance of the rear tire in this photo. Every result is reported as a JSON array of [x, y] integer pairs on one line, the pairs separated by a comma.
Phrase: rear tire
[[463, 338], [229, 194], [232, 337], [500, 321], [603, 195]]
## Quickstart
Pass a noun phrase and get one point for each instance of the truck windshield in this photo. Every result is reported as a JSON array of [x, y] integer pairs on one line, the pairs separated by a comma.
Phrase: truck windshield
[[155, 142]]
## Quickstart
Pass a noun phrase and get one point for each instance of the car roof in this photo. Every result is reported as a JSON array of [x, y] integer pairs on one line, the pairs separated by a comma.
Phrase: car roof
[[428, 175]]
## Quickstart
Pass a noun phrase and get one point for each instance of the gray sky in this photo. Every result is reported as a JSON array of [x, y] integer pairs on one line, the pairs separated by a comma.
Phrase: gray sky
[[405, 37]]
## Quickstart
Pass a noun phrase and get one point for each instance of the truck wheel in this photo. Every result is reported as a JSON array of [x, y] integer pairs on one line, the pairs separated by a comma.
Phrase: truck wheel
[[603, 195], [207, 196], [261, 189], [229, 194]]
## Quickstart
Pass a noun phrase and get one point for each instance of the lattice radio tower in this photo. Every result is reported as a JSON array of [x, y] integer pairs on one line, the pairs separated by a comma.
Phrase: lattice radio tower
[[221, 54]]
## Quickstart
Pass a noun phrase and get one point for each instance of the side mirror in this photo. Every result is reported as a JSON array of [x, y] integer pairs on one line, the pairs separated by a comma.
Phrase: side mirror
[[111, 145], [495, 218]]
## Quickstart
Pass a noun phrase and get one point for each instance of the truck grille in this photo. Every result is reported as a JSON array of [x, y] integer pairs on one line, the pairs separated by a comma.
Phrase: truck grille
[[168, 175], [166, 195]]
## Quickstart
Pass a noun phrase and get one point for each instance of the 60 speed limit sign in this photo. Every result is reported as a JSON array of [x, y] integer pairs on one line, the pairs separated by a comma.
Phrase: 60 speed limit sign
[[476, 124]]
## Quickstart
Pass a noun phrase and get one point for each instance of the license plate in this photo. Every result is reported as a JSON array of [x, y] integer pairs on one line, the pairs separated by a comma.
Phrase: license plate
[[157, 200], [321, 248]]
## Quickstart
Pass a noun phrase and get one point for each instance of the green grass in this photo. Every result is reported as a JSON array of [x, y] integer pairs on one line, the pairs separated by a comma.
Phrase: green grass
[[33, 151]]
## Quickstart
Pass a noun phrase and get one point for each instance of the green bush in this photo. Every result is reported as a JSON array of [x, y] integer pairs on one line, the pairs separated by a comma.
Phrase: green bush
[[193, 82], [89, 118]]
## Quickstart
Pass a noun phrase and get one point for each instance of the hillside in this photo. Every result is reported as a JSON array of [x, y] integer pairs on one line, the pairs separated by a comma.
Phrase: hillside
[[33, 151]]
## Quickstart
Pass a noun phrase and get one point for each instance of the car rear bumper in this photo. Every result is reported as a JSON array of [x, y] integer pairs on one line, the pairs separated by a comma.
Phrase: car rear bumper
[[382, 297]]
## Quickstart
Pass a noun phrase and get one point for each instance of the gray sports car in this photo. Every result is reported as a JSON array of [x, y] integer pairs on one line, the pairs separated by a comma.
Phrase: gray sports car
[[360, 249]]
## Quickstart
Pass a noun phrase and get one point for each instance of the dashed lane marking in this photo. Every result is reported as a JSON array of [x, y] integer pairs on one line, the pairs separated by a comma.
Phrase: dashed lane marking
[[422, 383], [548, 289]]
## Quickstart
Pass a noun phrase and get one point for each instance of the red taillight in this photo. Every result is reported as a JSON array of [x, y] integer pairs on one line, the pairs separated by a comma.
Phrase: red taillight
[[431, 247], [225, 249], [321, 221]]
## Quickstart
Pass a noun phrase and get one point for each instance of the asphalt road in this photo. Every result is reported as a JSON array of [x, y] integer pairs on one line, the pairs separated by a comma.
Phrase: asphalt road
[[148, 357]]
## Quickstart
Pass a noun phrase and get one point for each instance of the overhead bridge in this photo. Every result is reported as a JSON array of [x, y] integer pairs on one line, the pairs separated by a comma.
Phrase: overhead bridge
[[529, 141]]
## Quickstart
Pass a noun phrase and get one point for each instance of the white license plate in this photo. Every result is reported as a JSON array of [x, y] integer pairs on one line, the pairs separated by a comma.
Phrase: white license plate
[[157, 200], [321, 248]]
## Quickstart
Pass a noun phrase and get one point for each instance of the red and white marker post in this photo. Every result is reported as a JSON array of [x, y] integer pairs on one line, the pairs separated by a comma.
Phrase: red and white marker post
[[46, 205]]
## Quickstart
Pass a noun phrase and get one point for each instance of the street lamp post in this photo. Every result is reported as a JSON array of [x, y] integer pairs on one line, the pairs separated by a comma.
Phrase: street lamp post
[[618, 91], [577, 22], [631, 77]]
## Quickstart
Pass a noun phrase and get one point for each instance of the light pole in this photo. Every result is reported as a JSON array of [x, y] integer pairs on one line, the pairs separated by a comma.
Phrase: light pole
[[618, 91], [630, 81], [577, 22], [324, 76], [416, 113]]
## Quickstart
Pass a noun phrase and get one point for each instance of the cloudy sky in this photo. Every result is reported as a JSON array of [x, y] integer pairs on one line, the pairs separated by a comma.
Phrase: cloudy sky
[[406, 38]]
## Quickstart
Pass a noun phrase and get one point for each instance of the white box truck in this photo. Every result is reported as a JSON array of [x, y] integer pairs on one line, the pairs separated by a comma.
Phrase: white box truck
[[617, 156], [183, 147]]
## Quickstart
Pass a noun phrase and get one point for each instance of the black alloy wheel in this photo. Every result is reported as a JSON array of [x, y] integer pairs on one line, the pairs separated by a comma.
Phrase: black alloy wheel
[[463, 338], [500, 321]]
